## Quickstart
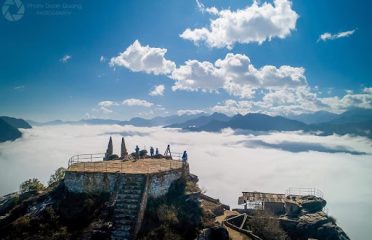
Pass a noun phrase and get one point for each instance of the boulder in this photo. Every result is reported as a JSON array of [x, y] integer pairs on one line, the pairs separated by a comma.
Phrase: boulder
[[214, 233], [313, 205]]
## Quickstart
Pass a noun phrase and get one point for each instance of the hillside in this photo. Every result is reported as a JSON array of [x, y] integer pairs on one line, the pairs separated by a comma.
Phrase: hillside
[[8, 132], [16, 122], [251, 121], [201, 121], [315, 117]]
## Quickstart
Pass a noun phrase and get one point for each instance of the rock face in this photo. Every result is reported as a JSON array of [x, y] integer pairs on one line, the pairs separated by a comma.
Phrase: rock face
[[55, 214], [305, 219], [214, 233]]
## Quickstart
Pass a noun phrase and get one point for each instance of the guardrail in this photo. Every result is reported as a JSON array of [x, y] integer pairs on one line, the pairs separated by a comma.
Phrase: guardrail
[[305, 191], [94, 162], [88, 157]]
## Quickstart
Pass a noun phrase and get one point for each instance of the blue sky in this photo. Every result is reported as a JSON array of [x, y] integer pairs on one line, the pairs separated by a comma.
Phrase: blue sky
[[63, 61]]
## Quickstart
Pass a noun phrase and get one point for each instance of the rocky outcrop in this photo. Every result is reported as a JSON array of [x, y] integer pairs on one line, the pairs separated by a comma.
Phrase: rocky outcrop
[[305, 219], [214, 233]]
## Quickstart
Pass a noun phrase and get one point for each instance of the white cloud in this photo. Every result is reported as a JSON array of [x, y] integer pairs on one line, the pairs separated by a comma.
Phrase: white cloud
[[195, 75], [289, 101], [237, 75], [107, 104], [350, 99], [273, 169], [157, 91], [256, 23], [65, 59], [138, 58], [21, 87], [189, 111], [102, 59], [329, 36], [131, 102], [232, 107]]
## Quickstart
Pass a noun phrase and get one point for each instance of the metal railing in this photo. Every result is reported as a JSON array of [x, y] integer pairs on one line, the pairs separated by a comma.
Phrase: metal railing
[[305, 191], [88, 157], [94, 162]]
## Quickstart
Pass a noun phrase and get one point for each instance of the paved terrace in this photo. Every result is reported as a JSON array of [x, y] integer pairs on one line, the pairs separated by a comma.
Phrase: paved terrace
[[147, 165]]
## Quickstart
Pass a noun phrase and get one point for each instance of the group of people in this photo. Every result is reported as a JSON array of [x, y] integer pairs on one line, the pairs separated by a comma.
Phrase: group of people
[[155, 152]]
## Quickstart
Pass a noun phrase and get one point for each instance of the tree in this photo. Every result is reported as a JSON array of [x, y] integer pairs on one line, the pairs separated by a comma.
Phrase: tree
[[31, 185], [57, 176]]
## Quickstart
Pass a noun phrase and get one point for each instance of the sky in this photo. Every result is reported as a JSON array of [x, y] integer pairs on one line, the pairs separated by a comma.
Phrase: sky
[[87, 59], [226, 163]]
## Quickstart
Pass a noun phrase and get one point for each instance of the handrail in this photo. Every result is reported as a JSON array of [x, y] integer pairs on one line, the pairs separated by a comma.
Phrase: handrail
[[85, 156], [90, 161], [305, 191]]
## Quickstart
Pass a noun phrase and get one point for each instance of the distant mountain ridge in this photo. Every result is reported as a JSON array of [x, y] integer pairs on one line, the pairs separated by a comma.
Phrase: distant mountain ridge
[[136, 121], [200, 121], [315, 117], [355, 121], [16, 122], [8, 132], [250, 121]]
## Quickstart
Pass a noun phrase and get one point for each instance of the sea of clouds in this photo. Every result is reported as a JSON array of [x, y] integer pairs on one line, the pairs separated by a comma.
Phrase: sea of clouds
[[227, 163]]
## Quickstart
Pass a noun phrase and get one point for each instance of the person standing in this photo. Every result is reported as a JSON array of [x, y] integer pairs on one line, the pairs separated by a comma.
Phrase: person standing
[[137, 152], [184, 156], [151, 151]]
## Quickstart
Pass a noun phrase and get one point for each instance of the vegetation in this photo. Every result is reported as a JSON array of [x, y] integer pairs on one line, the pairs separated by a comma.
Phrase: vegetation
[[266, 226], [67, 216], [57, 176], [31, 185], [174, 216]]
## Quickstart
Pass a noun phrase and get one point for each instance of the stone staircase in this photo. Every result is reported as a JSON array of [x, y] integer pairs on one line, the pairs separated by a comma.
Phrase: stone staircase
[[128, 207]]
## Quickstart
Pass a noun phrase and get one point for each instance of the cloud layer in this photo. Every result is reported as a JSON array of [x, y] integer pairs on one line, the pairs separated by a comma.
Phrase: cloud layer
[[237, 75], [138, 58], [157, 91], [132, 102], [329, 36], [256, 23], [227, 163]]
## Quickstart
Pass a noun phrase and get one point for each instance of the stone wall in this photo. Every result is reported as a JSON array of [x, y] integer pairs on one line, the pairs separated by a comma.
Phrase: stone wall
[[106, 182], [160, 182], [91, 182]]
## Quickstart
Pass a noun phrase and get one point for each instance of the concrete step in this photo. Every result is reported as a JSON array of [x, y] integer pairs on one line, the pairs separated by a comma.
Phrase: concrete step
[[131, 191], [131, 187], [122, 196], [126, 206], [123, 227], [123, 222], [127, 201], [121, 234], [121, 216], [125, 212]]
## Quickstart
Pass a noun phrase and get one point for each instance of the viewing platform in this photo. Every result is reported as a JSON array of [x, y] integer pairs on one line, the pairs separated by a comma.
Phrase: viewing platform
[[140, 166]]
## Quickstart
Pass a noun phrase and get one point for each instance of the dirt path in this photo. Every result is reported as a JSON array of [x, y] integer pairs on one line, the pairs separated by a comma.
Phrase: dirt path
[[234, 235]]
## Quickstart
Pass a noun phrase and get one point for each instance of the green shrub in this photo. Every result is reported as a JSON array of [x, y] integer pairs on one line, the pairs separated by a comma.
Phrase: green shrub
[[31, 185], [266, 226], [57, 176]]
